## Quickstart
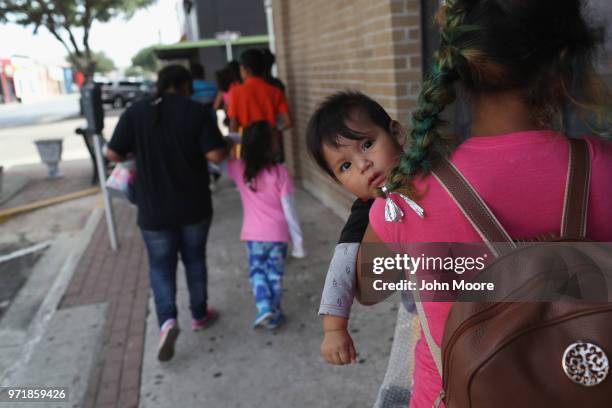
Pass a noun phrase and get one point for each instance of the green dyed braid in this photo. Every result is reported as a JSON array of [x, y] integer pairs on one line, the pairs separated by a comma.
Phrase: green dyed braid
[[428, 141]]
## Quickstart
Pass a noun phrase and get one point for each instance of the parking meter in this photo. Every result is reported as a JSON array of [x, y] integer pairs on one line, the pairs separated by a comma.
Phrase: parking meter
[[91, 95], [93, 110]]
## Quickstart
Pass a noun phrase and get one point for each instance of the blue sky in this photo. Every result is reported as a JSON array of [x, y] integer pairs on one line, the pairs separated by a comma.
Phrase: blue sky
[[118, 38]]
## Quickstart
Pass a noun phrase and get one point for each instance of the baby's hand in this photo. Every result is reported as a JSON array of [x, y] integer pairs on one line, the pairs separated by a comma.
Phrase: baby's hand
[[337, 347]]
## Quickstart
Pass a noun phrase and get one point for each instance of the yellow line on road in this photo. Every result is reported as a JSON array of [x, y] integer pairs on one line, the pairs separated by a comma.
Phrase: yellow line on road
[[11, 212]]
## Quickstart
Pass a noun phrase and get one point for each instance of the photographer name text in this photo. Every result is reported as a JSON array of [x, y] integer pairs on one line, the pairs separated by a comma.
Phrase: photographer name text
[[462, 285]]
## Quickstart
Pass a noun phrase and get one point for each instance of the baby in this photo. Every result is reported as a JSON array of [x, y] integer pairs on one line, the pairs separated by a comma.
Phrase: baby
[[353, 139]]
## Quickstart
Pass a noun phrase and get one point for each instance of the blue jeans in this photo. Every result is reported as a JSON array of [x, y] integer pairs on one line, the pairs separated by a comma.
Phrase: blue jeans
[[163, 248], [266, 270]]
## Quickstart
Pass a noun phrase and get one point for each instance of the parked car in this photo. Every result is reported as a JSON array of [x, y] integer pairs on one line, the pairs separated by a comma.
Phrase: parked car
[[120, 93]]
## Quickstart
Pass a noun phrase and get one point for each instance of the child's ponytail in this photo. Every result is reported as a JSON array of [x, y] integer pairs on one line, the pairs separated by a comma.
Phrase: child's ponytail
[[258, 151]]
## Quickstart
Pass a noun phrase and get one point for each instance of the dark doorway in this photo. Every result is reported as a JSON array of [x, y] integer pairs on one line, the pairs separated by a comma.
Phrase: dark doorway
[[458, 114]]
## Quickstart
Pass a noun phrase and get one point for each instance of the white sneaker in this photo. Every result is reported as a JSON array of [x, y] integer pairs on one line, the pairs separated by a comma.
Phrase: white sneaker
[[167, 339]]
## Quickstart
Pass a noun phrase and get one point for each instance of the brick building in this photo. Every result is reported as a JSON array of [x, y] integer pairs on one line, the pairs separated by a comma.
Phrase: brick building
[[323, 46]]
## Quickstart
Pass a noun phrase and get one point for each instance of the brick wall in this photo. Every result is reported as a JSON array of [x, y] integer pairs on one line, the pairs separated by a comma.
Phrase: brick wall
[[329, 45]]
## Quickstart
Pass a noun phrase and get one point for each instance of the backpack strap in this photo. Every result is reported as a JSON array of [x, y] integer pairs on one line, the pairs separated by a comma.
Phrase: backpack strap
[[473, 207], [436, 353], [483, 221], [575, 204]]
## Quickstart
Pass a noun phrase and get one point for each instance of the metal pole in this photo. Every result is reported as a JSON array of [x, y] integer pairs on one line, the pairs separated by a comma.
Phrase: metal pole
[[270, 27], [228, 37], [108, 204], [228, 50]]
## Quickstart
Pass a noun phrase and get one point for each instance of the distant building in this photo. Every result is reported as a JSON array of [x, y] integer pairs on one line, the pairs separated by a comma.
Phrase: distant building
[[27, 80], [69, 85], [202, 20], [7, 86]]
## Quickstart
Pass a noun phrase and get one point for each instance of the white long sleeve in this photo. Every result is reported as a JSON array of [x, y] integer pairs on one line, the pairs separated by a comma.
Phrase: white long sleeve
[[295, 231], [341, 281]]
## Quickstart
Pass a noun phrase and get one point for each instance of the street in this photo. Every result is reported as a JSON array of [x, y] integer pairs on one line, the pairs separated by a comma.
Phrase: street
[[21, 125], [44, 111]]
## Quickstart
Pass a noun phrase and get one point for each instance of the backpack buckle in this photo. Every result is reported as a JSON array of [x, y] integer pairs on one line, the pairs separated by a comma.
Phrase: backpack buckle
[[585, 363]]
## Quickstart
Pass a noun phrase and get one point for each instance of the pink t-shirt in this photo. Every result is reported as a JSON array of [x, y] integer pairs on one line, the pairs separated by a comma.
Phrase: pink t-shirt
[[521, 176], [264, 219], [226, 95]]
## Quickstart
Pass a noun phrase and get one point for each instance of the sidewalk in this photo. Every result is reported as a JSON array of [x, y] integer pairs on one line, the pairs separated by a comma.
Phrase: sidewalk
[[229, 365], [119, 280]]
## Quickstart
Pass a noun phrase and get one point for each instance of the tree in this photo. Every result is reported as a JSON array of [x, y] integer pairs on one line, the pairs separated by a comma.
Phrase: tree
[[68, 20], [146, 59], [102, 62], [134, 71]]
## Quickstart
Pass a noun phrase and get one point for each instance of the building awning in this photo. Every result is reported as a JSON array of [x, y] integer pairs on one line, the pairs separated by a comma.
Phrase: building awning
[[188, 49]]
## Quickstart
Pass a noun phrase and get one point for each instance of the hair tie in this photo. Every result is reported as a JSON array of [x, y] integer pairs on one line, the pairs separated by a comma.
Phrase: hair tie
[[393, 213]]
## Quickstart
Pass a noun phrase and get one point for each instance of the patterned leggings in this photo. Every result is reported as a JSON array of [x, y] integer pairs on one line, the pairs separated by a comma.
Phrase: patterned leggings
[[266, 269]]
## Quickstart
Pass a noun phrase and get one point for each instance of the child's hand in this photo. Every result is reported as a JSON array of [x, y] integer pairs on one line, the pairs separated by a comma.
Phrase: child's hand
[[337, 347]]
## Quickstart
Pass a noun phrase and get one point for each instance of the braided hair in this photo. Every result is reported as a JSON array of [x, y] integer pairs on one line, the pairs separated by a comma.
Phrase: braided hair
[[428, 142], [542, 49]]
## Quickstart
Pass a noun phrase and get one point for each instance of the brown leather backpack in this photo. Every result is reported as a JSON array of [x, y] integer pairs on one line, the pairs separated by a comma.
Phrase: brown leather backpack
[[526, 354]]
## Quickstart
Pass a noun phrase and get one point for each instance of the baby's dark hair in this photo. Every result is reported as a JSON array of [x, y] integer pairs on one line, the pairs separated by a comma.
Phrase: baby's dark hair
[[257, 151], [328, 123], [543, 50]]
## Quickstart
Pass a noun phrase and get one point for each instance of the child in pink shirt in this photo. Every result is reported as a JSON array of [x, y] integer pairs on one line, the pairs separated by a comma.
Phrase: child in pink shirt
[[270, 219]]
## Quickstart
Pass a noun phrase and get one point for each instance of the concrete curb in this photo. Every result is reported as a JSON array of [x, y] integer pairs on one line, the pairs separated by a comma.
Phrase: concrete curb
[[12, 185], [7, 213], [47, 309]]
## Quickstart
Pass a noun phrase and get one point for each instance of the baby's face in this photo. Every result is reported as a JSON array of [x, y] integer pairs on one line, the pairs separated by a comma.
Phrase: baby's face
[[362, 166]]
